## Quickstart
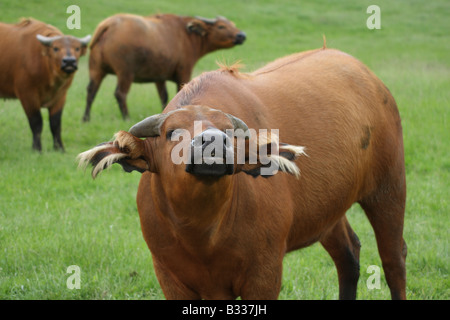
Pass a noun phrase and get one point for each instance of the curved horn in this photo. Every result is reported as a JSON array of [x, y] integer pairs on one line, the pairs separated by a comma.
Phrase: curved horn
[[206, 20], [239, 124], [84, 41], [149, 127], [47, 40]]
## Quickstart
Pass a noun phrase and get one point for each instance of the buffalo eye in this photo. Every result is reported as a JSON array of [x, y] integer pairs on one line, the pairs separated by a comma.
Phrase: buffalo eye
[[221, 27], [77, 49], [55, 49], [169, 134], [174, 134]]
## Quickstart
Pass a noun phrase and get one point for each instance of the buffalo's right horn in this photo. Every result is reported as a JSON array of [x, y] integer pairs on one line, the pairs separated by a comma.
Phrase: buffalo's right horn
[[149, 127], [47, 40], [239, 124], [206, 20]]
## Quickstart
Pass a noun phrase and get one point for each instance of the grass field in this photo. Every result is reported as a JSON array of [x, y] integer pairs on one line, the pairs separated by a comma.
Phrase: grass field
[[53, 215]]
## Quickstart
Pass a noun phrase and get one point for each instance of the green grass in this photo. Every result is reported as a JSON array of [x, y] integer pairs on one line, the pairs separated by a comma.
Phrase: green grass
[[53, 215]]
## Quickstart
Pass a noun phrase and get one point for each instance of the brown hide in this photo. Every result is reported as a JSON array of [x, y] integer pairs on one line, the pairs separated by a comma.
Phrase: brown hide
[[157, 48], [224, 237], [37, 74]]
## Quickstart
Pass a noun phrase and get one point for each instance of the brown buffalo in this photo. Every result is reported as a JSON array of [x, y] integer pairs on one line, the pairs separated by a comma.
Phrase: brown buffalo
[[37, 64], [159, 48], [217, 233]]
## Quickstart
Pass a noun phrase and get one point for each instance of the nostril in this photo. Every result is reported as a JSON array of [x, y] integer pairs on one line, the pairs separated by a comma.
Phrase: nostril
[[69, 60], [208, 139], [213, 138]]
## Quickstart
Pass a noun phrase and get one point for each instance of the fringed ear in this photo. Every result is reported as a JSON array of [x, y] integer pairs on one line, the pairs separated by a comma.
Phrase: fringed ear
[[125, 149], [287, 154], [270, 156], [197, 26]]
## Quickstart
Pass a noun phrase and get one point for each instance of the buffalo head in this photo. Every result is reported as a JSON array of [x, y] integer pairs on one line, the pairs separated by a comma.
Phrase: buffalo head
[[219, 32], [195, 141], [64, 51]]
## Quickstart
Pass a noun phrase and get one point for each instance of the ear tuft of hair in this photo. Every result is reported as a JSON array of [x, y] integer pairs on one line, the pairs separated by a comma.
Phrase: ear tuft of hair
[[285, 165], [101, 157], [280, 155], [293, 151], [287, 155]]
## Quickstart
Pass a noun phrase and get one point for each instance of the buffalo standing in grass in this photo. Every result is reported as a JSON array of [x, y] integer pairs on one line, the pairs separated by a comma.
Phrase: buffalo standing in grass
[[37, 64], [217, 233], [153, 49]]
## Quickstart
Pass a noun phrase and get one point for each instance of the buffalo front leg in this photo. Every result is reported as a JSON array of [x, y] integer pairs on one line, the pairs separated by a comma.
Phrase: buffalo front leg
[[172, 289], [343, 246], [55, 127], [55, 115], [264, 282], [33, 112], [35, 121], [123, 86]]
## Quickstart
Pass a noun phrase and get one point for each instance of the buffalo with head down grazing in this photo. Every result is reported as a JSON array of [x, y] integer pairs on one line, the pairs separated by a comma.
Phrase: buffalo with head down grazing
[[158, 48], [37, 64], [215, 227]]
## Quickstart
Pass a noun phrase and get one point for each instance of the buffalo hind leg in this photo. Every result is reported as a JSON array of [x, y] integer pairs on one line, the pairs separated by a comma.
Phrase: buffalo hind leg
[[343, 246], [92, 88], [124, 82], [31, 105], [162, 92], [385, 212]]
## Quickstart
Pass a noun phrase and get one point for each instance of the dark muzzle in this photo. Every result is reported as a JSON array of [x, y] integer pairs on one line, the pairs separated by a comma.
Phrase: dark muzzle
[[69, 64], [240, 38], [211, 154]]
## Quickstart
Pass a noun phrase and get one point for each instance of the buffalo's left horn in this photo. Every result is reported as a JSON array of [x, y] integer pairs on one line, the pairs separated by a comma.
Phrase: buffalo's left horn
[[149, 127], [47, 40], [84, 41]]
